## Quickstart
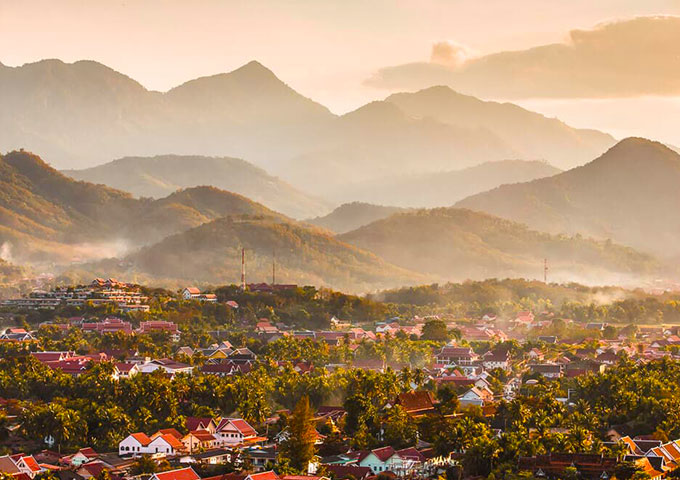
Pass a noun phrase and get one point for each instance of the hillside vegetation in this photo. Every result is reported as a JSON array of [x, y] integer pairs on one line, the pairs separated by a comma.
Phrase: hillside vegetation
[[47, 216], [162, 175], [304, 255], [458, 244], [630, 195]]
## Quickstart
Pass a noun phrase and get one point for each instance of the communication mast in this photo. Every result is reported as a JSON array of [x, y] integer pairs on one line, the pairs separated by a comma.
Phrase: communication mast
[[274, 267], [243, 269]]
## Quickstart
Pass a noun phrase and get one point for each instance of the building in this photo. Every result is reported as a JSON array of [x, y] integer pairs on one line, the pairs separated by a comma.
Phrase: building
[[452, 355], [234, 431], [193, 293]]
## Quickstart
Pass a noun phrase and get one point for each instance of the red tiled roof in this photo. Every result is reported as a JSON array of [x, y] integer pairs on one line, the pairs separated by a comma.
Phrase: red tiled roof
[[203, 435], [179, 474], [170, 431], [263, 476], [240, 424], [414, 402], [88, 452], [384, 453], [194, 423], [141, 438], [172, 441], [31, 463], [345, 471]]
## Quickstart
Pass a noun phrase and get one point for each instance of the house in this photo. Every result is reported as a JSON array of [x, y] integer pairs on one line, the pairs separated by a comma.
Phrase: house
[[608, 357], [167, 364], [52, 356], [190, 293], [378, 460], [449, 355], [165, 443], [476, 396], [193, 293], [17, 335], [91, 469], [496, 359], [342, 472], [260, 457], [234, 431], [535, 354], [215, 456], [127, 370], [134, 444], [27, 464], [524, 318], [200, 423], [160, 326], [554, 465], [417, 403], [547, 370], [199, 440], [187, 473], [83, 455]]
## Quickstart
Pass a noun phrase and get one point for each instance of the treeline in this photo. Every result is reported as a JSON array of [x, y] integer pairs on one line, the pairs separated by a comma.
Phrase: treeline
[[507, 297]]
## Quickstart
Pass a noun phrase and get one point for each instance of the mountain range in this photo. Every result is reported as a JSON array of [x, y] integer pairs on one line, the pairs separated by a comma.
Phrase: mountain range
[[195, 235], [84, 114], [629, 194], [162, 175], [45, 215]]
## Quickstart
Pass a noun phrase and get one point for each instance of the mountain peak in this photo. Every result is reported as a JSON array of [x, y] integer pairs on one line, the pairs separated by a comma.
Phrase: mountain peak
[[638, 150], [254, 70]]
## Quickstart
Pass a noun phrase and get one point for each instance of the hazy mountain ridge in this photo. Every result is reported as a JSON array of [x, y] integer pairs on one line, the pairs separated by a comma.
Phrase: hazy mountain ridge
[[304, 255], [629, 194], [530, 134], [429, 190], [457, 244], [350, 216], [41, 209], [161, 175], [83, 114]]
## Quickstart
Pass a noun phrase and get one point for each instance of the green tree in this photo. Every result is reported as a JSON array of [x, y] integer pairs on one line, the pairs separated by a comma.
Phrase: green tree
[[436, 331], [299, 447]]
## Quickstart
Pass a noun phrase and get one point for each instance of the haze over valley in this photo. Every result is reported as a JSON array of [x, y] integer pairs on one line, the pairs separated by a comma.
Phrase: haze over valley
[[421, 183]]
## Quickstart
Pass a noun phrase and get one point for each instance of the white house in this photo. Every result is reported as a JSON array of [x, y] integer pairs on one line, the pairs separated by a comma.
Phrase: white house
[[380, 460], [234, 431], [476, 396], [134, 444], [199, 440], [166, 443]]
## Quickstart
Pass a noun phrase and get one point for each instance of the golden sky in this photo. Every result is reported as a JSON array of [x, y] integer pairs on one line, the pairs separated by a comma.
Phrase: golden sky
[[326, 49]]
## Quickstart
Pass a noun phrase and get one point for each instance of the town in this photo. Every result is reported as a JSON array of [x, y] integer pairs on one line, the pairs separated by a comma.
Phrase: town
[[286, 382]]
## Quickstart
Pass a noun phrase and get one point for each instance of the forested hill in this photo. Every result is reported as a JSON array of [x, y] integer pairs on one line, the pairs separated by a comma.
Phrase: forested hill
[[161, 175], [303, 254], [630, 195], [457, 244]]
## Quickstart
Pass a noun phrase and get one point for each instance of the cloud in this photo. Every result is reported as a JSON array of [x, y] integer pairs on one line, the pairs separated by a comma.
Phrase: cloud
[[626, 58], [449, 54]]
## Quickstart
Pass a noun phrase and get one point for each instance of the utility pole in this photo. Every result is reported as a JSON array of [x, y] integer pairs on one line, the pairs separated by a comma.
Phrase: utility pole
[[545, 270], [274, 267], [243, 269]]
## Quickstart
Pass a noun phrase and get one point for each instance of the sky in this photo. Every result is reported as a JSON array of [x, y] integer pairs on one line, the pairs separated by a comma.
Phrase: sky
[[328, 49]]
